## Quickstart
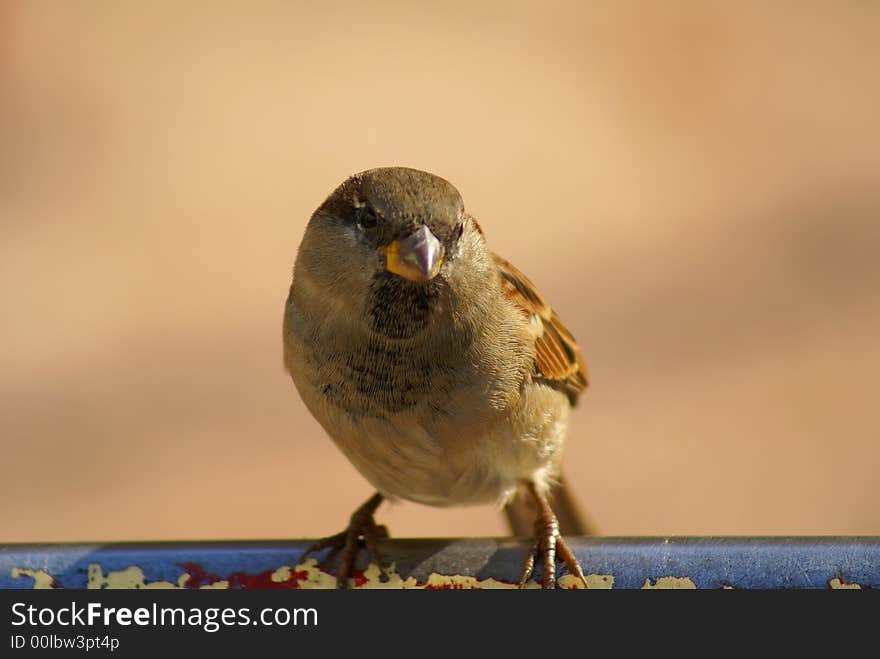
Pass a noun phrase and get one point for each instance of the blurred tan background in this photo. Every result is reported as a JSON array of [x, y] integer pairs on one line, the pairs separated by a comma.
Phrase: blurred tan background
[[695, 188]]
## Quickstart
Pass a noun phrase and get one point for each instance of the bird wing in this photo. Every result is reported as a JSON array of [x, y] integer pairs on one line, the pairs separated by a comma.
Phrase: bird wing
[[558, 360]]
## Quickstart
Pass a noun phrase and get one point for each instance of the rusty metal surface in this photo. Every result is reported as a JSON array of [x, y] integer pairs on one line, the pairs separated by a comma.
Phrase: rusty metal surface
[[629, 563]]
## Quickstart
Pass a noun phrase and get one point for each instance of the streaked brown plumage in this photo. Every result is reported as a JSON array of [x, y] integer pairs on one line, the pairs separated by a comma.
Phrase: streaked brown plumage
[[558, 358], [433, 364]]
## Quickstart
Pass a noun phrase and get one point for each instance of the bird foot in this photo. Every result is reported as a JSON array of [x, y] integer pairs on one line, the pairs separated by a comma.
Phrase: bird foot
[[548, 544], [361, 525]]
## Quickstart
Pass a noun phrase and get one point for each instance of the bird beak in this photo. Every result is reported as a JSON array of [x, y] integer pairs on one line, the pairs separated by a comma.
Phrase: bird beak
[[417, 257]]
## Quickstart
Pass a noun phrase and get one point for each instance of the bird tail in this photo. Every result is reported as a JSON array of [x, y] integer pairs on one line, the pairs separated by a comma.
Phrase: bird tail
[[521, 511]]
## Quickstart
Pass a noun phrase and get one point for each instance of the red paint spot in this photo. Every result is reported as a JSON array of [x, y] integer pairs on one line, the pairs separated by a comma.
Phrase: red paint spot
[[264, 581], [359, 578], [198, 577], [450, 586]]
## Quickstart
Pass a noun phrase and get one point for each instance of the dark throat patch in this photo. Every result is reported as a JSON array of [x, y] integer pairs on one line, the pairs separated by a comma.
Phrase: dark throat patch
[[400, 309]]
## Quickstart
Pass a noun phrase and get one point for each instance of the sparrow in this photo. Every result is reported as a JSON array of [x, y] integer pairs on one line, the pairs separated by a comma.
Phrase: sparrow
[[433, 364]]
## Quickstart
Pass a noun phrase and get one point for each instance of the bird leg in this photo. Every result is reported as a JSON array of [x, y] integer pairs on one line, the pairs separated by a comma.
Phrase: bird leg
[[361, 524], [548, 542]]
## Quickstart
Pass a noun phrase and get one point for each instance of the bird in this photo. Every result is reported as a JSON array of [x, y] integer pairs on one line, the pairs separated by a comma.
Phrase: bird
[[433, 364]]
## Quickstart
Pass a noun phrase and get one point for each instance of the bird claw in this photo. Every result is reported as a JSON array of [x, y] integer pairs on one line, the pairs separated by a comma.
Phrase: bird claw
[[548, 543], [362, 529]]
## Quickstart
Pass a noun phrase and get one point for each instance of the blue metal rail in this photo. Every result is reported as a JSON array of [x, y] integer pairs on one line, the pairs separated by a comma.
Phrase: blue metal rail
[[675, 562]]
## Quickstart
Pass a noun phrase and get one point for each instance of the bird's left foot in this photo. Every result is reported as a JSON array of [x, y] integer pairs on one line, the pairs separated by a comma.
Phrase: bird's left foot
[[548, 543], [361, 525]]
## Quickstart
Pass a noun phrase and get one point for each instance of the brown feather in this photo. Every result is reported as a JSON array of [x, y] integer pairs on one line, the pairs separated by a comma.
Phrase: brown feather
[[558, 358]]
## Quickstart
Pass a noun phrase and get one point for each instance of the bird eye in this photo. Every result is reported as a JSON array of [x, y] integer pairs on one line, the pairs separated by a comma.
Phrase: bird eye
[[367, 217]]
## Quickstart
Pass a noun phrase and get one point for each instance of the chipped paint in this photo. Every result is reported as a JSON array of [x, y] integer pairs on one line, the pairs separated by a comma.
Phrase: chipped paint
[[42, 579], [670, 583], [839, 584], [304, 576], [131, 577], [310, 575], [783, 562], [594, 582]]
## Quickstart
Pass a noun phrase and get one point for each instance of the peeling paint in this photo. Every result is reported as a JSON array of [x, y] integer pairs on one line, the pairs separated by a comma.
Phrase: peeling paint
[[304, 576], [708, 562], [282, 578], [131, 577], [839, 584], [42, 579], [594, 582], [670, 583]]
